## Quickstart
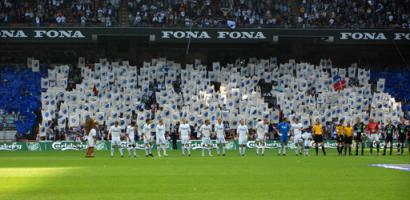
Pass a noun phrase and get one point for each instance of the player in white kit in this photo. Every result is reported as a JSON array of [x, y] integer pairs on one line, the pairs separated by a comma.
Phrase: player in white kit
[[205, 131], [184, 132], [90, 130], [220, 137], [160, 138], [242, 136], [307, 137], [130, 134], [146, 133], [261, 130], [115, 133], [297, 128]]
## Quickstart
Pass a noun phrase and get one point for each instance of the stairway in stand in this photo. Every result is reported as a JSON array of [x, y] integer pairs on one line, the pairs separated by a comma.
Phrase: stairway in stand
[[123, 13]]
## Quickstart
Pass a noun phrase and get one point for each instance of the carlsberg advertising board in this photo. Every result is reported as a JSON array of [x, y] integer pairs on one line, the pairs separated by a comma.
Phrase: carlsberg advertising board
[[106, 145]]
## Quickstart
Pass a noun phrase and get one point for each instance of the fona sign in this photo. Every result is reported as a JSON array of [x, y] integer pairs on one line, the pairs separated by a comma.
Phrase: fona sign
[[372, 36], [219, 35], [42, 34]]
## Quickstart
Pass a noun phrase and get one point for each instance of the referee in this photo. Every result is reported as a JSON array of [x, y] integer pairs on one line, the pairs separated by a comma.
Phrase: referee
[[317, 131]]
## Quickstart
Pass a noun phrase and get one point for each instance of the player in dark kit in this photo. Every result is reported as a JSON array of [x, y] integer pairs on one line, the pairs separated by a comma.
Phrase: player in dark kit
[[401, 129], [360, 136], [348, 136], [340, 137], [389, 130]]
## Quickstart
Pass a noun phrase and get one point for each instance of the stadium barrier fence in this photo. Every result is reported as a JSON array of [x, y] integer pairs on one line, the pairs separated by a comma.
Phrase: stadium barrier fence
[[106, 145]]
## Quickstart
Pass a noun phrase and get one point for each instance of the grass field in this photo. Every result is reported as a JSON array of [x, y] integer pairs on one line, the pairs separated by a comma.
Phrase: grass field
[[67, 175]]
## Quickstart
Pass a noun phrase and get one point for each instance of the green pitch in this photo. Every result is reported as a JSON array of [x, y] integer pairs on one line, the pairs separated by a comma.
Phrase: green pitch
[[68, 175]]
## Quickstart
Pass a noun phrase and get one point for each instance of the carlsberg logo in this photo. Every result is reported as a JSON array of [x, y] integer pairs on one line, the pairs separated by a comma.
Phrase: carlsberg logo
[[63, 146], [10, 147], [33, 146]]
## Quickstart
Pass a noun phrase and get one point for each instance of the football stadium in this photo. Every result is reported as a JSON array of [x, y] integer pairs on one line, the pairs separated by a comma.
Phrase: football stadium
[[212, 99]]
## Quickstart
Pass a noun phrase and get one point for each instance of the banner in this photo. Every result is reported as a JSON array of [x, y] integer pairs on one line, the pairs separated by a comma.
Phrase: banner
[[204, 35], [106, 145]]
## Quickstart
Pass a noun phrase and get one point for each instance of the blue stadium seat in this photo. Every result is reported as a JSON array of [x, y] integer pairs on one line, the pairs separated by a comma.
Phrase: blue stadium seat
[[395, 82], [20, 92]]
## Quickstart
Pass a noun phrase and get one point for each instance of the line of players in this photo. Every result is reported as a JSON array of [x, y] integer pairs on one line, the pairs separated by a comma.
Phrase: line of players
[[372, 132], [295, 130]]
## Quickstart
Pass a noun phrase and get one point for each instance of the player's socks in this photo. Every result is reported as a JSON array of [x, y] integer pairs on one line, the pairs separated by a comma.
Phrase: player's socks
[[112, 152], [350, 150], [146, 151], [338, 149], [345, 150], [257, 151], [371, 149], [203, 152], [317, 150], [285, 149], [362, 149], [357, 149], [378, 148], [402, 148], [134, 150], [122, 152], [263, 151], [209, 151], [341, 150], [391, 149], [189, 151], [159, 151], [323, 149], [398, 148]]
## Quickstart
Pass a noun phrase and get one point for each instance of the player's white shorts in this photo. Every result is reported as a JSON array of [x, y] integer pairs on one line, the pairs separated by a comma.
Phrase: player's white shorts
[[306, 143], [185, 140], [260, 139], [243, 141], [206, 140], [161, 140], [90, 142], [220, 140], [116, 143], [374, 137], [297, 139], [147, 140]]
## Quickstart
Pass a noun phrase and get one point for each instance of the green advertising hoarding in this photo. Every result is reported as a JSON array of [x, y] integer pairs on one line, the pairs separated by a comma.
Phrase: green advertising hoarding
[[106, 145]]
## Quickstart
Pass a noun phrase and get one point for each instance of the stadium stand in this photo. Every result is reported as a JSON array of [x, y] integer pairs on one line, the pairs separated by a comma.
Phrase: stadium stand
[[163, 89], [59, 12], [19, 98], [210, 13]]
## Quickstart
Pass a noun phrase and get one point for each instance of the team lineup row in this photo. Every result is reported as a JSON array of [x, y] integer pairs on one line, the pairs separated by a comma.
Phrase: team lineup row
[[301, 136]]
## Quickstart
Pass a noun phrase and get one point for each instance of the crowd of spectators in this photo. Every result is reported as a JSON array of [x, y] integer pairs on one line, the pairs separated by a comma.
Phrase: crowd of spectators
[[268, 13], [211, 13], [59, 12], [208, 13], [354, 14]]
